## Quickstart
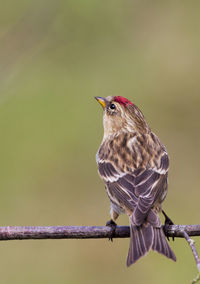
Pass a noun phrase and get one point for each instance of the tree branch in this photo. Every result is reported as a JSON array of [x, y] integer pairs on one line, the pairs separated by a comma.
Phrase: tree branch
[[195, 253], [96, 232], [85, 232]]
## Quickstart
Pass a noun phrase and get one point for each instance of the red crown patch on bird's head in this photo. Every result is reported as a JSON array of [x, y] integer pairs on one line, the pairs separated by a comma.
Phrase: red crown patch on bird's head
[[122, 101]]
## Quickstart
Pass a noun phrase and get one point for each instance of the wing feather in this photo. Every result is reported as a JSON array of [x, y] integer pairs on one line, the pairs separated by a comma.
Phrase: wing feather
[[137, 189]]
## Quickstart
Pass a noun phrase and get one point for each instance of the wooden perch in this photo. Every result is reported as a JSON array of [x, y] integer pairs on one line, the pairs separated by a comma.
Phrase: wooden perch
[[85, 232], [96, 232]]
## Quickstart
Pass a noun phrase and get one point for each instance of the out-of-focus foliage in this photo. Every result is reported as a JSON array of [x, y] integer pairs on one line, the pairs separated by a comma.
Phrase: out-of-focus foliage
[[55, 56]]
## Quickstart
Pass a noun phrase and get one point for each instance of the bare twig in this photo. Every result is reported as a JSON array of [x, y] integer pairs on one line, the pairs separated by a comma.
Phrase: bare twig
[[195, 253], [61, 232], [85, 232], [96, 232]]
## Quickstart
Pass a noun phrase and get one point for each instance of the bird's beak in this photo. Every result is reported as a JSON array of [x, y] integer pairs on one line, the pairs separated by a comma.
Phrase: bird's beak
[[102, 101]]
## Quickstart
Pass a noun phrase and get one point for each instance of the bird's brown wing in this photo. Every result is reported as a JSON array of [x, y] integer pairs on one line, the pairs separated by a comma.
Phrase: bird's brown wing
[[137, 190]]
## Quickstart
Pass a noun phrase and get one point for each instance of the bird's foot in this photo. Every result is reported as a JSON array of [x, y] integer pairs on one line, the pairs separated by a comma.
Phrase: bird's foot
[[113, 226], [168, 222]]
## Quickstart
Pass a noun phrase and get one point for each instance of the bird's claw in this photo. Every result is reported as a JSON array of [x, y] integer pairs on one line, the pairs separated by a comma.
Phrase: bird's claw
[[168, 222], [113, 226]]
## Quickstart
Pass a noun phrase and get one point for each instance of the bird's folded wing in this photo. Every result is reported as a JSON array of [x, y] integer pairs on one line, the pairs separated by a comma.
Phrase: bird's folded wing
[[136, 190]]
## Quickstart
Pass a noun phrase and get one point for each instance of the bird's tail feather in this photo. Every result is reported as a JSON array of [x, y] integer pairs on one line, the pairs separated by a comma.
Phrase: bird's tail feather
[[146, 237], [141, 240], [160, 244]]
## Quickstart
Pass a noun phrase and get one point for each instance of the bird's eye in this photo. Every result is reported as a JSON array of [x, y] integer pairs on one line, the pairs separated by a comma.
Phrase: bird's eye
[[112, 106]]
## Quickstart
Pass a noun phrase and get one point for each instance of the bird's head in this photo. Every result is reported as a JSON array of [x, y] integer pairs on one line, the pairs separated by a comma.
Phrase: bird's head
[[120, 114]]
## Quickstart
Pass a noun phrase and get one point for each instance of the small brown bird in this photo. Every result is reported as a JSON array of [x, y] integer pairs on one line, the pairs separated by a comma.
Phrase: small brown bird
[[134, 166]]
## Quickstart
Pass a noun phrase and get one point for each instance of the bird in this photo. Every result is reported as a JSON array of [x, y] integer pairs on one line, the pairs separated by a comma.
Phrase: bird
[[134, 165]]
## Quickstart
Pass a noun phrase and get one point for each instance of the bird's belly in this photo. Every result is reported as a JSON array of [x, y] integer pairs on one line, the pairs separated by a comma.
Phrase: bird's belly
[[159, 201], [116, 206]]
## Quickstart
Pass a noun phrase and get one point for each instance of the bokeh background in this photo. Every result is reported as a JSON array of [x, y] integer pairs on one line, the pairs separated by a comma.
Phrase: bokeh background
[[55, 56]]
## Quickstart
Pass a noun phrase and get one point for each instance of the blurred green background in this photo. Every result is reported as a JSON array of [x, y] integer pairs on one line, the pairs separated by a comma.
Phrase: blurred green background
[[55, 56]]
